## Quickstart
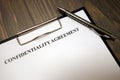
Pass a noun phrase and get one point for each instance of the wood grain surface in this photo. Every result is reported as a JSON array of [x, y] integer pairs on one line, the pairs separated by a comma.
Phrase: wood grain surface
[[19, 15]]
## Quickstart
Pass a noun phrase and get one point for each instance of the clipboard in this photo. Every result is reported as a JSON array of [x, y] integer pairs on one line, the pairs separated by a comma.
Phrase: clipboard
[[59, 59]]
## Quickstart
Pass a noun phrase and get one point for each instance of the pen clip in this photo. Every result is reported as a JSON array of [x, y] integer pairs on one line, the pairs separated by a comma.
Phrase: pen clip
[[79, 19], [41, 35]]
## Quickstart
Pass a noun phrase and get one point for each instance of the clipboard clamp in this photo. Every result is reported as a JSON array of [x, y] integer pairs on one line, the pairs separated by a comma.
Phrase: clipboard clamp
[[36, 27]]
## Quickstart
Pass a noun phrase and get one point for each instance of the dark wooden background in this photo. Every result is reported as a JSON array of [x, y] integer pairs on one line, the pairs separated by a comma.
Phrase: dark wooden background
[[19, 15]]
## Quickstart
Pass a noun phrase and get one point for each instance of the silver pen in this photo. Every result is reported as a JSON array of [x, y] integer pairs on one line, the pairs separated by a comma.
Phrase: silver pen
[[105, 33]]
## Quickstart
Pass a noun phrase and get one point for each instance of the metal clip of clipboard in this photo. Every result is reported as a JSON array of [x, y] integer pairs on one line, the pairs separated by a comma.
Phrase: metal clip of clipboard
[[34, 28]]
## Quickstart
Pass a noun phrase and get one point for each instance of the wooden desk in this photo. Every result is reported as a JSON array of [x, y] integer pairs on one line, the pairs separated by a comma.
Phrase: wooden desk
[[19, 15]]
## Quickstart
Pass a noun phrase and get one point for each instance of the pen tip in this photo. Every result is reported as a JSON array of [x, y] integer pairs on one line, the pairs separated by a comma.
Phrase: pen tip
[[59, 8]]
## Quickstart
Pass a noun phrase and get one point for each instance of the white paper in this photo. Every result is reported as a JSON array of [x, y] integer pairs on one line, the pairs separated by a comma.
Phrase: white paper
[[78, 56]]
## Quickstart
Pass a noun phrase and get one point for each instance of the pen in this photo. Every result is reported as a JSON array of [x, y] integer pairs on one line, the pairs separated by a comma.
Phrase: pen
[[86, 23]]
